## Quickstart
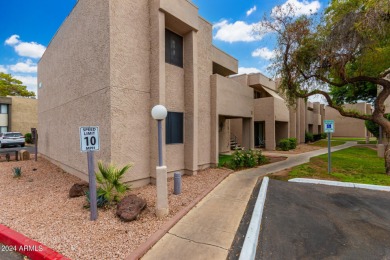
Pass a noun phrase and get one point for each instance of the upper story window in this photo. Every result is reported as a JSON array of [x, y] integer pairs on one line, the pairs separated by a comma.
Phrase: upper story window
[[3, 109], [173, 48], [174, 128]]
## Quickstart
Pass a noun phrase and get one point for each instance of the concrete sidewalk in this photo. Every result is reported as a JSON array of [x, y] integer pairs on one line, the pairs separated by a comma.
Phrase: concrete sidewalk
[[208, 230]]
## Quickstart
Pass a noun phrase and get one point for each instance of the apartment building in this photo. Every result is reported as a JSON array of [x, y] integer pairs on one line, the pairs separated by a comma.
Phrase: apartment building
[[348, 126], [18, 114]]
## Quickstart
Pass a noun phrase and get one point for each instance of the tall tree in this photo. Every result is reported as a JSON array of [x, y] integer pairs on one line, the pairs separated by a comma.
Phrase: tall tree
[[10, 86], [344, 52]]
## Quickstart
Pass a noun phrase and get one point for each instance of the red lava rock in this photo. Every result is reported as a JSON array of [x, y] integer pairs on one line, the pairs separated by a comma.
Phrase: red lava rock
[[130, 207], [78, 189]]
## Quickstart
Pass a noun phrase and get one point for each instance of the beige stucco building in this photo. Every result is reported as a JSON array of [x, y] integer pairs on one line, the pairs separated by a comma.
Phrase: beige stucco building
[[18, 114], [347, 126]]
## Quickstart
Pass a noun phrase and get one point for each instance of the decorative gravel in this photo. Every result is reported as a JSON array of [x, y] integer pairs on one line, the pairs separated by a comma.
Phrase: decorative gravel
[[37, 205]]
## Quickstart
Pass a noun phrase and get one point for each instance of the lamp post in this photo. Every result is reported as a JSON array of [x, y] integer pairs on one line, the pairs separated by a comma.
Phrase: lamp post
[[159, 113]]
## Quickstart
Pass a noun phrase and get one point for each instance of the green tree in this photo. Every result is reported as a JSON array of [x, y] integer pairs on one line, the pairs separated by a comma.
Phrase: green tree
[[10, 86], [342, 55]]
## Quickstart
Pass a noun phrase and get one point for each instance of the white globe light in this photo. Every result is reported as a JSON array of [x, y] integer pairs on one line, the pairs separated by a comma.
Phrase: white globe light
[[159, 112]]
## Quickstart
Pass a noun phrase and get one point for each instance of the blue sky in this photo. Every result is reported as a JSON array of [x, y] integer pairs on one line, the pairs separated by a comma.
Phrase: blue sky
[[28, 26]]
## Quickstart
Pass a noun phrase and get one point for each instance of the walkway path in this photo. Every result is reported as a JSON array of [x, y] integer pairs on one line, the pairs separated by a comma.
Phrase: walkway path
[[208, 230]]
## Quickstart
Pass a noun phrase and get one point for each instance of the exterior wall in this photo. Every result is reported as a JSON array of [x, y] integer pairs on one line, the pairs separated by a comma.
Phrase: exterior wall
[[265, 111], [75, 76], [129, 108], [5, 118], [224, 135], [24, 114], [346, 126]]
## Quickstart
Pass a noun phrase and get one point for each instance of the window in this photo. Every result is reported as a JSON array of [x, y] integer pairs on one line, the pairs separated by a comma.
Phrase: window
[[174, 128], [3, 109], [173, 49]]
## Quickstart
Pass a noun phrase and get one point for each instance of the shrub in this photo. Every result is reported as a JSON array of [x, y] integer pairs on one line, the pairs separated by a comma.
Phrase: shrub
[[317, 137], [248, 159], [17, 172], [324, 135], [293, 143], [309, 137], [284, 144], [101, 200], [110, 180], [28, 138]]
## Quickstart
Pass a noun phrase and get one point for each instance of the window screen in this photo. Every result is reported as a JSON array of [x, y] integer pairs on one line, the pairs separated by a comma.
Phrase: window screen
[[173, 48], [3, 109], [174, 128]]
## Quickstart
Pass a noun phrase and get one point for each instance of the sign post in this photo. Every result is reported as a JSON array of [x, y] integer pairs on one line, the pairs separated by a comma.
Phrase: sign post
[[329, 128], [34, 134], [89, 142]]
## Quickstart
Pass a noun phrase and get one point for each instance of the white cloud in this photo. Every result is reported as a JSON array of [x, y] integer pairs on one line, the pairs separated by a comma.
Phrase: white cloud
[[238, 31], [243, 70], [26, 67], [264, 53], [14, 39], [29, 81], [303, 7], [25, 49], [3, 69], [250, 11]]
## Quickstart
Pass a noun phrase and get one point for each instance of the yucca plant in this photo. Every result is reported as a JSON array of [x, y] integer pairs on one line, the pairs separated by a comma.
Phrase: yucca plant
[[17, 172], [110, 182]]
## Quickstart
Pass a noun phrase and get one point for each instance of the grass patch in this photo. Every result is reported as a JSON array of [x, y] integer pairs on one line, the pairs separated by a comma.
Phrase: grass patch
[[355, 164], [370, 142], [324, 143], [224, 160]]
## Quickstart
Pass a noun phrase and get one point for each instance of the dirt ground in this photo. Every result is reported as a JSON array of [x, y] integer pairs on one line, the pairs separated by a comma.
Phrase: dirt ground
[[37, 205]]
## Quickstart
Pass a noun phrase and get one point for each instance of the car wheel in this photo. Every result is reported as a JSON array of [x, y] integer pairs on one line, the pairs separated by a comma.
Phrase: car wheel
[[2, 145], [22, 145]]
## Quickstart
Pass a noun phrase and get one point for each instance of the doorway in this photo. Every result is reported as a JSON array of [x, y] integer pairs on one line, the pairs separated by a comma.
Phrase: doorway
[[259, 132]]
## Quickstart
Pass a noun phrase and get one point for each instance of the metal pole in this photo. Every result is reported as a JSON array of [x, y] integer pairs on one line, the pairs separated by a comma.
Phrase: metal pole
[[160, 161], [36, 145], [92, 186], [329, 162]]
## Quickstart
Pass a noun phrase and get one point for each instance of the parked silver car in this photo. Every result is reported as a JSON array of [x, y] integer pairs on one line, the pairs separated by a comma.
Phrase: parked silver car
[[11, 139]]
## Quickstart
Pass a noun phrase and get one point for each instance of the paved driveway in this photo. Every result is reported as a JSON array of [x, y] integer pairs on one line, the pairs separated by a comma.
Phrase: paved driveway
[[305, 221]]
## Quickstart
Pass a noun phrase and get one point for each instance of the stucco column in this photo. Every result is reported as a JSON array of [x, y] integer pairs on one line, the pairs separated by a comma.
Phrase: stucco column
[[270, 143], [214, 121], [157, 80], [292, 123], [248, 133], [191, 103]]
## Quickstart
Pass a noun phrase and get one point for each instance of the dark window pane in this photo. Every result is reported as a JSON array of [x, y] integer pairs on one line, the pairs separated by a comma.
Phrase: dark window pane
[[173, 48], [174, 128]]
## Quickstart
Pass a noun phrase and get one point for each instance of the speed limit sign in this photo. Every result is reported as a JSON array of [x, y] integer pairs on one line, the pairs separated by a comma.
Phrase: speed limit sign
[[89, 138]]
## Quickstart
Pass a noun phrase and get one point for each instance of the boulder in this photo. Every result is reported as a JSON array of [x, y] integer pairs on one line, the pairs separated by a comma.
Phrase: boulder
[[78, 189], [130, 207]]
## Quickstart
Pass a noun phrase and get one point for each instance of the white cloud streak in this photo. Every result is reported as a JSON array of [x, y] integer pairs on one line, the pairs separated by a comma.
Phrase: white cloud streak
[[238, 31], [3, 69], [303, 7], [25, 67], [25, 49], [250, 11], [264, 53], [29, 81], [243, 70]]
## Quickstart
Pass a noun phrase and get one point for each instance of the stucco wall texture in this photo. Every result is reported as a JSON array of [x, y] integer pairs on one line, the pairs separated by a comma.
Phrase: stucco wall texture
[[24, 114], [346, 126]]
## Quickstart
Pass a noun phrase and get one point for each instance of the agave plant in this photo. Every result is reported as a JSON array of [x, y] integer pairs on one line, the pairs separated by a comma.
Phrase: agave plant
[[17, 172], [110, 181]]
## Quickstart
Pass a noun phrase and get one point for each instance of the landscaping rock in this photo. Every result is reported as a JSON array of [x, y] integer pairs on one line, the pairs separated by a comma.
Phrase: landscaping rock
[[130, 207], [78, 189], [24, 155]]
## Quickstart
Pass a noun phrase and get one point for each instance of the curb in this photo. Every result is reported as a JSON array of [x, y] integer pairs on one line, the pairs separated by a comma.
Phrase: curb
[[248, 250], [342, 184], [27, 246], [154, 238]]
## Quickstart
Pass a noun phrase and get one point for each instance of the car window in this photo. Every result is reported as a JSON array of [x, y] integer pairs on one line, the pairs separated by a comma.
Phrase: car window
[[13, 135]]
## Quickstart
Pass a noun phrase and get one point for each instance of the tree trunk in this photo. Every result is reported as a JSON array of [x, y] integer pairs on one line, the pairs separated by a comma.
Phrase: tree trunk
[[387, 158]]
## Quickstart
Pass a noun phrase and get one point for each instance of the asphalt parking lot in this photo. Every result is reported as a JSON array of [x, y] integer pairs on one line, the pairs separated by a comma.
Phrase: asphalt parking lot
[[306, 221]]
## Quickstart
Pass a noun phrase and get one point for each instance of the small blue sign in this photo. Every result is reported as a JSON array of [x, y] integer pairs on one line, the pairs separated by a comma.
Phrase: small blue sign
[[328, 126]]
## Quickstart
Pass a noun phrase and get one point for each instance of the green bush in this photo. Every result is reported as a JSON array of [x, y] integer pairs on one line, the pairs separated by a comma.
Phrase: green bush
[[324, 135], [309, 137], [284, 144], [101, 201], [247, 159], [317, 137], [28, 138], [293, 143]]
